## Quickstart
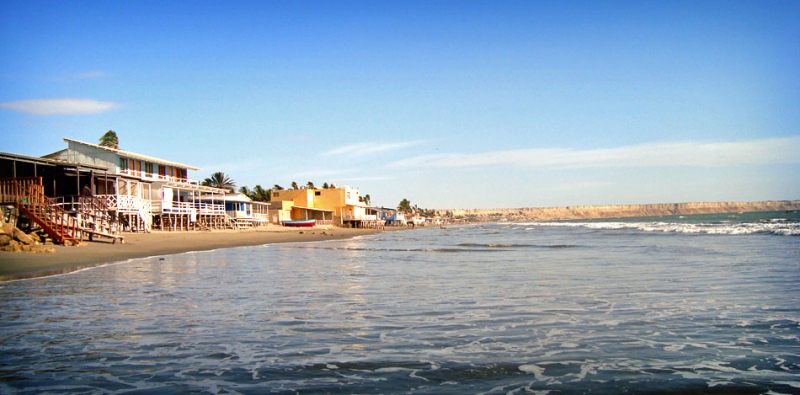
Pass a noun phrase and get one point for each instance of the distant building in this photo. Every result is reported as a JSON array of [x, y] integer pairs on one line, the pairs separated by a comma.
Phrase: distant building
[[340, 206]]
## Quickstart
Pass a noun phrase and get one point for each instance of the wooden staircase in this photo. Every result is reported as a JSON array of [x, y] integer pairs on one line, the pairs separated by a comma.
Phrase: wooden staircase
[[27, 196]]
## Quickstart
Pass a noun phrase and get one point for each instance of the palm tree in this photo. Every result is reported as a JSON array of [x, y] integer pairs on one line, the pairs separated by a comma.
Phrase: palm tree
[[325, 185], [220, 180], [366, 199], [260, 194], [277, 187], [110, 140], [310, 185], [246, 191], [294, 185], [404, 206]]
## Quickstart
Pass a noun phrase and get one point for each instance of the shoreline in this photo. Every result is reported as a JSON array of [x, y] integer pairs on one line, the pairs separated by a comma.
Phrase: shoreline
[[66, 259]]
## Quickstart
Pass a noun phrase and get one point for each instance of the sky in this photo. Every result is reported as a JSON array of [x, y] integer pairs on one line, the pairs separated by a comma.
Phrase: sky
[[449, 104]]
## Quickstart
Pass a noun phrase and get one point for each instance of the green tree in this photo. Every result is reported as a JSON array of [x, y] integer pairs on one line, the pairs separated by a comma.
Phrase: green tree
[[260, 194], [246, 191], [310, 185], [277, 187], [404, 206], [294, 185], [366, 199], [220, 180], [110, 140], [325, 185]]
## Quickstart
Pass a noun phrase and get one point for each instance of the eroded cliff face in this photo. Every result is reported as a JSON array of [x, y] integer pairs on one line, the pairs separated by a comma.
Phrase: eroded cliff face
[[618, 211]]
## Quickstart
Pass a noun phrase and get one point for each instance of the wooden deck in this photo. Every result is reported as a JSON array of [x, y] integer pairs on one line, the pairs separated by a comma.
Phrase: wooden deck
[[26, 194]]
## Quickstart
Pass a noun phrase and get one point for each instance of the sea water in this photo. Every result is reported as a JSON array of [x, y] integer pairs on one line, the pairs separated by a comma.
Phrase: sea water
[[657, 305]]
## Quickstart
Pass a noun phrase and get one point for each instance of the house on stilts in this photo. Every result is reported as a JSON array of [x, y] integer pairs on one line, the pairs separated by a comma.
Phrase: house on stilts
[[87, 189], [147, 192]]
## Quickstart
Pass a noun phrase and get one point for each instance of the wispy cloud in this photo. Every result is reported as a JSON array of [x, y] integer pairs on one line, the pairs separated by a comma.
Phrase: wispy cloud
[[752, 152], [367, 178], [369, 148], [319, 173], [59, 106]]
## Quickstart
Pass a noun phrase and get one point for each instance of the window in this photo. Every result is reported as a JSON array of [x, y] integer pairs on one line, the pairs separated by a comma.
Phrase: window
[[276, 194], [317, 193], [148, 168], [162, 171]]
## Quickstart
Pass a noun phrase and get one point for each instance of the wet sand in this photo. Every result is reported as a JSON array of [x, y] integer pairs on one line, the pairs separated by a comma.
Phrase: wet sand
[[139, 245]]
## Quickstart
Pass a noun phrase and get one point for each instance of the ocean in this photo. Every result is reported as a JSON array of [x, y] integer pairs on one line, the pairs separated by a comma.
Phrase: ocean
[[693, 304]]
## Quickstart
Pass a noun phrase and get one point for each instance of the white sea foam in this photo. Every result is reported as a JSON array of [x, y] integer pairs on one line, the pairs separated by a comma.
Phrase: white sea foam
[[780, 228]]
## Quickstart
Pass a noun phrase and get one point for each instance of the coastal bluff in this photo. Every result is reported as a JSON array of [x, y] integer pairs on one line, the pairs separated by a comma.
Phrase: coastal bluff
[[618, 211]]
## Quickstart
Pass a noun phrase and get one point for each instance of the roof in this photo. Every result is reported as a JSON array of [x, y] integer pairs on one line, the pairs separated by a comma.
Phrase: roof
[[239, 197], [49, 161], [195, 187], [133, 155]]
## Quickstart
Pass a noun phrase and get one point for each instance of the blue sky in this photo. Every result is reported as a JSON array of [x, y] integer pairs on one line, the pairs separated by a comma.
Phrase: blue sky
[[450, 104]]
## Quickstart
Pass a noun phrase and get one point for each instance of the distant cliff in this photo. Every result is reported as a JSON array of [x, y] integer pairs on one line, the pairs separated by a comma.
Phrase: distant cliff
[[618, 211]]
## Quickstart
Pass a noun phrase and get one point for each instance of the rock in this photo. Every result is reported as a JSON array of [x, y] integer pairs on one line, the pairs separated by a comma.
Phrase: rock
[[36, 237], [4, 240], [22, 237], [7, 229], [302, 232], [13, 246]]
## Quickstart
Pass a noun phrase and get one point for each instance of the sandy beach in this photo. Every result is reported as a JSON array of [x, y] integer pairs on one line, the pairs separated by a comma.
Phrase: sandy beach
[[138, 245]]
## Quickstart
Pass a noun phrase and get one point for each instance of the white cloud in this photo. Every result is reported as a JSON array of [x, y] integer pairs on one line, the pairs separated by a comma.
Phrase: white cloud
[[59, 106], [753, 152], [369, 148], [367, 178]]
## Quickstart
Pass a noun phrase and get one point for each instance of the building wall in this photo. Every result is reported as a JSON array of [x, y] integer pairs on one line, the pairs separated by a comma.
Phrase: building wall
[[343, 201], [119, 164], [287, 195], [90, 155], [330, 199]]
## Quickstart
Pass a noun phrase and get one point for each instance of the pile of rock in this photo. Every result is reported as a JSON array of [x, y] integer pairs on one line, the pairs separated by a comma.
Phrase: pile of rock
[[14, 240]]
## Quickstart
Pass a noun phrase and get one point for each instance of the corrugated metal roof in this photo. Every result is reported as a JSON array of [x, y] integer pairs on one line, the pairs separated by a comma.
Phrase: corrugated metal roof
[[134, 155], [50, 161]]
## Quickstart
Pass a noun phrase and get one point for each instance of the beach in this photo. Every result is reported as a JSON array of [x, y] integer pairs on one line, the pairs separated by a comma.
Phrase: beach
[[65, 259]]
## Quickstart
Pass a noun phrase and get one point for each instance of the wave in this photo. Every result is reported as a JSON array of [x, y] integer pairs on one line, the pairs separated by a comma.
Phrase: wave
[[772, 227], [479, 245], [379, 249]]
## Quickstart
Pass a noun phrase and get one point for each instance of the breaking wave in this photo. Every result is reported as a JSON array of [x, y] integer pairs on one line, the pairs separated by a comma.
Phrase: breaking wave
[[772, 227]]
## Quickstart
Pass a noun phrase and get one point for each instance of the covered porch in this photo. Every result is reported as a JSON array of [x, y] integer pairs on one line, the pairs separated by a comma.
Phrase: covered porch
[[322, 216]]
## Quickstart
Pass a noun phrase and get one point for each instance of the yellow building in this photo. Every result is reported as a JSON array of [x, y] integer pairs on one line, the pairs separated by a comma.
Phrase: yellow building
[[341, 205]]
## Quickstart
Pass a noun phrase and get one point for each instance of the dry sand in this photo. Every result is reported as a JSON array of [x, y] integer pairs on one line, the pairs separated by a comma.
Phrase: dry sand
[[16, 265]]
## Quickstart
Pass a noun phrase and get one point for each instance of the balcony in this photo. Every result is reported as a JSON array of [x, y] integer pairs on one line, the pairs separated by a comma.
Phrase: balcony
[[154, 177], [192, 208]]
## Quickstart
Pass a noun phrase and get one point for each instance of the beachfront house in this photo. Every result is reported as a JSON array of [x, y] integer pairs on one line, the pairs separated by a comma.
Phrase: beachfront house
[[243, 212], [146, 192], [339, 205], [46, 193]]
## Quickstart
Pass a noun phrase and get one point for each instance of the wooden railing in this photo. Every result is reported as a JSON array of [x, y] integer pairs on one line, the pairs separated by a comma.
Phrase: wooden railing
[[12, 189], [27, 195], [131, 204]]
